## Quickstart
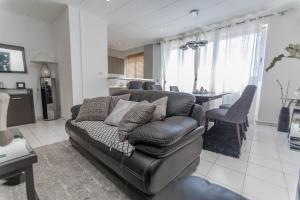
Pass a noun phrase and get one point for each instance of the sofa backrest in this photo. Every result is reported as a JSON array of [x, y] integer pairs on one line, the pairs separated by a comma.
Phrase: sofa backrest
[[179, 104]]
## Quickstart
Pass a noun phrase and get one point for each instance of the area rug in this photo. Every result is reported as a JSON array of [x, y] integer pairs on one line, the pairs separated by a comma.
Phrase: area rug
[[222, 138], [62, 173]]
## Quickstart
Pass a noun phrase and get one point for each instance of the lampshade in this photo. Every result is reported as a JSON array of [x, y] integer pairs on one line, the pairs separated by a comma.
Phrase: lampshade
[[43, 58]]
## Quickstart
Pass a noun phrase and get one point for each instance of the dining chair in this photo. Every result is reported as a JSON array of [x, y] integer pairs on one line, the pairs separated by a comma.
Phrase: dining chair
[[4, 102], [174, 89], [227, 106], [157, 87], [147, 85], [135, 85], [236, 114]]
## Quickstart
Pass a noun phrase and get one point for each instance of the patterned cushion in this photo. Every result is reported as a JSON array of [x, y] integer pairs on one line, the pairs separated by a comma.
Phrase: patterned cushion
[[161, 109], [119, 111], [115, 99], [106, 134], [139, 115], [95, 109]]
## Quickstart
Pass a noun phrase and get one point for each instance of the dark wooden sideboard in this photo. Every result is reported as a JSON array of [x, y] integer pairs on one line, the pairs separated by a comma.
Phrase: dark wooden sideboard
[[21, 107]]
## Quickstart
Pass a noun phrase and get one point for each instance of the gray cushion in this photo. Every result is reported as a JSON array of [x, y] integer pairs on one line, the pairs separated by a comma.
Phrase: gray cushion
[[95, 109], [137, 116], [115, 99], [119, 111], [161, 109], [163, 133]]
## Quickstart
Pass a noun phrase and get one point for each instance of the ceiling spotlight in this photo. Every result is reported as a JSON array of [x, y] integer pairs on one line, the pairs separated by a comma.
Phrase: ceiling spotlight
[[162, 30], [107, 0], [194, 13]]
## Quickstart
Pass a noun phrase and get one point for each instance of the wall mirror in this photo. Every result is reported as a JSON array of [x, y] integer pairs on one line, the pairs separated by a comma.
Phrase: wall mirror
[[12, 59]]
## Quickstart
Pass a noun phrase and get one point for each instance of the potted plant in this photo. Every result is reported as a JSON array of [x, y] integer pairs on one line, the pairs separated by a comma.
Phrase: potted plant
[[284, 115]]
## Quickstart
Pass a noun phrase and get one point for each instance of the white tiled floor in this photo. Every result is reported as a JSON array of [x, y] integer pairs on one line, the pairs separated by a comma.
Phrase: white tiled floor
[[44, 132], [266, 170]]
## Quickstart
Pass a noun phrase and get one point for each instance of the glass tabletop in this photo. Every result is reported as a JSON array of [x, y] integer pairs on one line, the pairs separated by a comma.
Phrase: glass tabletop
[[13, 146]]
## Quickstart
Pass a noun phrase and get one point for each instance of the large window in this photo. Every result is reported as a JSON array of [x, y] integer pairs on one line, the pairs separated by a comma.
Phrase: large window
[[135, 66], [232, 59]]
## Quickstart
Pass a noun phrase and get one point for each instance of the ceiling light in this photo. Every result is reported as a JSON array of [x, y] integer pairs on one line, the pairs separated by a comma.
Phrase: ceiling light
[[108, 0], [194, 13], [162, 30]]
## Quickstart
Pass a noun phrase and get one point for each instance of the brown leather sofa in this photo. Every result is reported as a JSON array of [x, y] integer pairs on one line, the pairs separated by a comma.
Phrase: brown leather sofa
[[164, 150]]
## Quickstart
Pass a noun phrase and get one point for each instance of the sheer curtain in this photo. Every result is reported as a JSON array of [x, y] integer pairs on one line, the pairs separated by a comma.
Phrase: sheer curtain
[[232, 59]]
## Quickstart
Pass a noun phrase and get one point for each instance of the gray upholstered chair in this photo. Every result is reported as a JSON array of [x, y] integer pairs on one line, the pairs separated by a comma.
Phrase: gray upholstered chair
[[236, 114], [227, 106], [147, 85], [157, 87], [174, 89], [135, 85]]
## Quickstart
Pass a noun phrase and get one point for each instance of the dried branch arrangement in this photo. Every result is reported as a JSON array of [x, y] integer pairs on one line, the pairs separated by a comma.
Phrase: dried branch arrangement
[[284, 97]]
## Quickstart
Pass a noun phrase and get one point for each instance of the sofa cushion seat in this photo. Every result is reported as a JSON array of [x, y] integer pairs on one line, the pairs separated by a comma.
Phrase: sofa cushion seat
[[165, 151], [163, 133], [106, 134]]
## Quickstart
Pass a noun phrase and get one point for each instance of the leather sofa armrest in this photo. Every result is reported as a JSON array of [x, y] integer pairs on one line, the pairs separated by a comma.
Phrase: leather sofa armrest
[[198, 114], [163, 133], [75, 110]]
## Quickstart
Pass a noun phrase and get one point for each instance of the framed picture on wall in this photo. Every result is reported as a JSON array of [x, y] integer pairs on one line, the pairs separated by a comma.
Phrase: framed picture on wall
[[12, 59], [20, 85]]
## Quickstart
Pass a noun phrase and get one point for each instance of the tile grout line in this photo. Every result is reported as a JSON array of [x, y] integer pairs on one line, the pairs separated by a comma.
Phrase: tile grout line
[[245, 175], [284, 175]]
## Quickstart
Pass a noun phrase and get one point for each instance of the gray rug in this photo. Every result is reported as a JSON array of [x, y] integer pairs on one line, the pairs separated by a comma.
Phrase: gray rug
[[62, 173]]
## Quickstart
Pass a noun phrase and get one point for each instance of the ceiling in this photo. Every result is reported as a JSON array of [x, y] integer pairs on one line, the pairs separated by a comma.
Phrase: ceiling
[[134, 23]]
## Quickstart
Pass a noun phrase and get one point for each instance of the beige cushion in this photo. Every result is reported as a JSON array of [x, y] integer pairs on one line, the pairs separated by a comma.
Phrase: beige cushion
[[161, 109], [137, 116], [115, 99], [119, 111], [95, 109]]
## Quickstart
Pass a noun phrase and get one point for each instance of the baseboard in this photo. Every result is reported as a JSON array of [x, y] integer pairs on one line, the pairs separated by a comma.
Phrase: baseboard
[[266, 123]]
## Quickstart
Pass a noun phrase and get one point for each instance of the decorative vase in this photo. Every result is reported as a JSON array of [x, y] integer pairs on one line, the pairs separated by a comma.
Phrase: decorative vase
[[45, 71], [284, 120]]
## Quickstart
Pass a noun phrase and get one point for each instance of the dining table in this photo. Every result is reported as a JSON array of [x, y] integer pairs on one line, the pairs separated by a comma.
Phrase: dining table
[[202, 98]]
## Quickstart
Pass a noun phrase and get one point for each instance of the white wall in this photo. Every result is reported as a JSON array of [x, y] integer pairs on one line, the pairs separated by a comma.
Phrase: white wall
[[35, 36], [116, 53], [134, 51], [62, 43], [157, 63], [75, 53], [282, 31], [94, 56]]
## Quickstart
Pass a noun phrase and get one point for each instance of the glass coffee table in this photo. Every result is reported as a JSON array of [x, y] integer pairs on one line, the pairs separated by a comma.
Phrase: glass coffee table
[[16, 157]]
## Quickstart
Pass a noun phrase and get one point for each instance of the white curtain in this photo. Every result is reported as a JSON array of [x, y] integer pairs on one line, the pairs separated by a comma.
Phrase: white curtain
[[232, 59]]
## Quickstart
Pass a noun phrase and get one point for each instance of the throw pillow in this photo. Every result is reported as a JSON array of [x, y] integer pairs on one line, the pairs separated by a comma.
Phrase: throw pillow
[[161, 109], [95, 109], [115, 99], [119, 111], [137, 116]]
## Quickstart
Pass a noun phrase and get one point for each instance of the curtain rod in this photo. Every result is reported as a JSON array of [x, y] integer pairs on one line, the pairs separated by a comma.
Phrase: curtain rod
[[180, 36]]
